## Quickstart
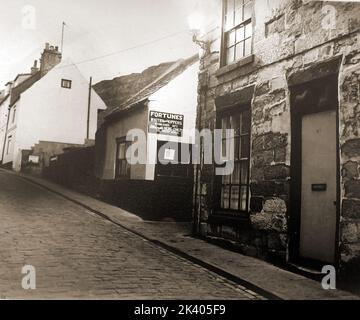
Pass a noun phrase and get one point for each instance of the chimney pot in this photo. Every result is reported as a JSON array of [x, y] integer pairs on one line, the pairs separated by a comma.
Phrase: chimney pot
[[56, 48], [34, 69], [47, 46]]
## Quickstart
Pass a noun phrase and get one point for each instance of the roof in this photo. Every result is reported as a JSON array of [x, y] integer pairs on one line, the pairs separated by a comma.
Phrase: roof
[[116, 91], [141, 96], [4, 99], [21, 75], [23, 86]]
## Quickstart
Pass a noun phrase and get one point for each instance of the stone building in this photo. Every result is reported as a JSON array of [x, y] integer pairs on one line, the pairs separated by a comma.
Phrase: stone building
[[285, 75]]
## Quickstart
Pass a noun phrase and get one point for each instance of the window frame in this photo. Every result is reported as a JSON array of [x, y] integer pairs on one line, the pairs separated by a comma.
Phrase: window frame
[[13, 115], [8, 147], [63, 81], [174, 170], [118, 162], [224, 34], [219, 179]]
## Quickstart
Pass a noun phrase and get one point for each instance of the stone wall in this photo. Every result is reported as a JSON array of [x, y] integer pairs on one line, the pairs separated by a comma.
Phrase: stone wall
[[74, 168], [289, 38], [350, 155], [44, 150]]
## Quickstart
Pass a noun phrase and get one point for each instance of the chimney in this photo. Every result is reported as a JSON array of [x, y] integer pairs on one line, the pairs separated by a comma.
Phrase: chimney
[[34, 69], [50, 58]]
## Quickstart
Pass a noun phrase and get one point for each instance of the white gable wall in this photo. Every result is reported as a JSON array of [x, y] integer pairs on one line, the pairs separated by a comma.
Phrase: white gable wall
[[178, 96], [3, 121], [48, 112]]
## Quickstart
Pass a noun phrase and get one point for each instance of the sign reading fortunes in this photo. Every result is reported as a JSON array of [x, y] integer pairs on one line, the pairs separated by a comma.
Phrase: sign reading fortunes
[[166, 123]]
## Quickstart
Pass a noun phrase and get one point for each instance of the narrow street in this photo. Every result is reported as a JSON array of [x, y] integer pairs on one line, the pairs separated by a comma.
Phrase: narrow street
[[77, 254]]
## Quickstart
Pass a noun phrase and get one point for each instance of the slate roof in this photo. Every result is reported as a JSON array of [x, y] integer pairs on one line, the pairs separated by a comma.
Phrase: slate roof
[[21, 74], [23, 86], [4, 99], [141, 96]]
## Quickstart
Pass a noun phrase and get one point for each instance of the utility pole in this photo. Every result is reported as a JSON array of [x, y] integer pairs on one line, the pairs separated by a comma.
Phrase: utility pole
[[62, 36], [89, 109]]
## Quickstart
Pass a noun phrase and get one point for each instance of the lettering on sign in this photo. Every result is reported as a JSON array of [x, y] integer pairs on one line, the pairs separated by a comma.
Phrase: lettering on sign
[[34, 159], [166, 123]]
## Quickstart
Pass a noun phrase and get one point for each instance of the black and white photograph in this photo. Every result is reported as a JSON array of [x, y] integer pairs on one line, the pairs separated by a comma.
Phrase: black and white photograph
[[188, 152]]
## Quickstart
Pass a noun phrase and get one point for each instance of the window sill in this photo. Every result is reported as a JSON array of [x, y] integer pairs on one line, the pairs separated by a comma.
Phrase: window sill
[[238, 64], [226, 218]]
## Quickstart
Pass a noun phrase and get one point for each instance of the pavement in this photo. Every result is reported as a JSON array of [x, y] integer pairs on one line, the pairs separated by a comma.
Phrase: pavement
[[87, 248]]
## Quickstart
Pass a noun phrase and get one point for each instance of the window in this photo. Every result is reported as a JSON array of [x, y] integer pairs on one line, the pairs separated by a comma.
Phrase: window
[[8, 145], [235, 188], [122, 169], [172, 161], [237, 30], [14, 115], [66, 83]]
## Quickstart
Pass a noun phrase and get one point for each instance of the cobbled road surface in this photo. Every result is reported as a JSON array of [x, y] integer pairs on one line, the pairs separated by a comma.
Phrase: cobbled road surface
[[78, 255]]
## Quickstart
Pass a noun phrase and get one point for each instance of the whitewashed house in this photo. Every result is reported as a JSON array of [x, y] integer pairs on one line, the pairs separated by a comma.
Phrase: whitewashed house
[[57, 110], [4, 107], [20, 83], [165, 111]]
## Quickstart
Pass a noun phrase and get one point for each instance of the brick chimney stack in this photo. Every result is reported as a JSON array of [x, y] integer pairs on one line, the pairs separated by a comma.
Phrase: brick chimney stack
[[50, 58], [35, 68]]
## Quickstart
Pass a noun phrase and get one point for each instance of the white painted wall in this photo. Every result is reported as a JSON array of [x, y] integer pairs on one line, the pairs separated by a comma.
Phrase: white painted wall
[[3, 120], [178, 96], [11, 134], [48, 112], [120, 129]]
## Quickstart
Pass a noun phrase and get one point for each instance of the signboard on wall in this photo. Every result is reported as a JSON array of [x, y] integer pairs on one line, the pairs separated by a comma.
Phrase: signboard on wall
[[166, 123], [34, 159]]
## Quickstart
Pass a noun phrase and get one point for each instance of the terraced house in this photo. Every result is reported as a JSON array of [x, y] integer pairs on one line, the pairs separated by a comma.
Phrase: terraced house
[[50, 109], [285, 76]]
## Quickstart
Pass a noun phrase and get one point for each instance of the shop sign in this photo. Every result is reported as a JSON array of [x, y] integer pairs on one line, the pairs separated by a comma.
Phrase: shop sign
[[166, 123]]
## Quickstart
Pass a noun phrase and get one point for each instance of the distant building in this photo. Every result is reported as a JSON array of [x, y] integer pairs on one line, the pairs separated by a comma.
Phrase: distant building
[[49, 107], [285, 76], [10, 95], [4, 111], [152, 189]]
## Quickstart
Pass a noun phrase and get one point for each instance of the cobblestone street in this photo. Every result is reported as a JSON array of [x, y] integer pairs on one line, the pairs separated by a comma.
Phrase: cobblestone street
[[80, 255]]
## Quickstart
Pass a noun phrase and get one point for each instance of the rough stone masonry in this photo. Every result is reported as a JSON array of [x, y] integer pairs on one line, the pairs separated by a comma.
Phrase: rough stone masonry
[[290, 38]]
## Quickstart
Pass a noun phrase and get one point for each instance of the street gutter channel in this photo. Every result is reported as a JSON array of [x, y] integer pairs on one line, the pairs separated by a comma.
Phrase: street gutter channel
[[220, 272]]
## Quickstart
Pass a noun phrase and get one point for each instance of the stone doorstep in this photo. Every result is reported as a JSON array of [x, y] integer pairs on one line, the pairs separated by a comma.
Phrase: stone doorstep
[[257, 273]]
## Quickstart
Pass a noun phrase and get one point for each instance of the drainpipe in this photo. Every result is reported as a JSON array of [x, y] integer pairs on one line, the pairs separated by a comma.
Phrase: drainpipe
[[197, 210], [88, 111]]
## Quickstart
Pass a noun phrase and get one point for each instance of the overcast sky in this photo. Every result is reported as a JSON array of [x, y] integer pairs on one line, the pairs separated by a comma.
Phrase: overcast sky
[[95, 28]]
